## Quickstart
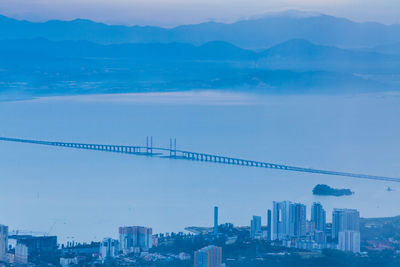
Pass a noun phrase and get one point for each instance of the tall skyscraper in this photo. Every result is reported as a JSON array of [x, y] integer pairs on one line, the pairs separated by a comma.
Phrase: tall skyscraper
[[318, 217], [349, 241], [210, 256], [289, 220], [269, 226], [135, 238], [3, 242], [297, 218], [215, 220], [255, 227], [280, 219], [344, 220]]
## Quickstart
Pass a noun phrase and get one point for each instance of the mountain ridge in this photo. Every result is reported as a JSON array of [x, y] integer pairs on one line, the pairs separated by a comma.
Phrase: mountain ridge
[[43, 67], [295, 50], [250, 33]]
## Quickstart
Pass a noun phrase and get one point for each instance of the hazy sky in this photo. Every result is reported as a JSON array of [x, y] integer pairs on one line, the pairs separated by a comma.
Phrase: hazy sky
[[173, 12]]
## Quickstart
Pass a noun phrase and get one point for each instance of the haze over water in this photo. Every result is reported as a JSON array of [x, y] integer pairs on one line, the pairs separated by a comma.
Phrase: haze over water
[[85, 195]]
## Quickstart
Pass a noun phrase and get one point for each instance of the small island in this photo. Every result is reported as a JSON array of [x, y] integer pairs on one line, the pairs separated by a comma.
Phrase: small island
[[326, 190]]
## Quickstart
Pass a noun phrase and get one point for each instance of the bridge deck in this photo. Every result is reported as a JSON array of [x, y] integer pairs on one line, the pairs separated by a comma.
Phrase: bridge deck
[[194, 156]]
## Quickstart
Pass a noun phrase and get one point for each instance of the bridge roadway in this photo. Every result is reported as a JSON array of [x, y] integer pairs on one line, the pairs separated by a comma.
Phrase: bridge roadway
[[173, 153]]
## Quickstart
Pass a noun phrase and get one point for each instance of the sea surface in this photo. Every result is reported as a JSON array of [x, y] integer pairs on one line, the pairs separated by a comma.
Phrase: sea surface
[[82, 195]]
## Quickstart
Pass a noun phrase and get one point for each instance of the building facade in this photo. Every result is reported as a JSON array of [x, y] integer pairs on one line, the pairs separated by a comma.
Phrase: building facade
[[349, 241], [215, 220], [320, 237], [135, 239], [297, 220], [255, 227], [269, 225], [318, 217], [35, 248], [108, 248], [280, 219], [344, 220], [210, 256], [3, 242], [21, 254]]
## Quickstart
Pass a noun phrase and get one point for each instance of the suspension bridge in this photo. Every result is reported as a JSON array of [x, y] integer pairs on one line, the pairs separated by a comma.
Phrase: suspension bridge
[[173, 153]]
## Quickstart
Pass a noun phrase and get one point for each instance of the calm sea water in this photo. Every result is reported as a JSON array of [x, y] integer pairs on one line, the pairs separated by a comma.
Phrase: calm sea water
[[85, 195]]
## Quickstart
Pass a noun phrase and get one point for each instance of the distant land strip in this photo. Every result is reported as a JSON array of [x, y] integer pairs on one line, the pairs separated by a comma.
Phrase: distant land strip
[[173, 153]]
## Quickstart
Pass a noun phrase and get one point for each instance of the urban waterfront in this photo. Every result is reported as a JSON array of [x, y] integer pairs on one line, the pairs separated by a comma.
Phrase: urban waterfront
[[281, 237]]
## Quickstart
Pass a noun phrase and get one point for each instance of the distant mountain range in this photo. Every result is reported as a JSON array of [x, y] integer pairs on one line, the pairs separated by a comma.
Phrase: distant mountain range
[[296, 51], [303, 50], [43, 67], [253, 33], [148, 51], [280, 53], [390, 49]]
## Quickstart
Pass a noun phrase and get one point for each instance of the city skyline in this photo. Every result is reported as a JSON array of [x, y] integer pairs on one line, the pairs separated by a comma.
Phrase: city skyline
[[294, 217], [292, 210], [296, 231]]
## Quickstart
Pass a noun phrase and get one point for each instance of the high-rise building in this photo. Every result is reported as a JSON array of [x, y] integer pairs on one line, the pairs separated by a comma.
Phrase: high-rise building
[[269, 226], [3, 242], [215, 220], [297, 219], [344, 220], [280, 219], [109, 248], [318, 217], [210, 256], [255, 227], [135, 238], [349, 241], [289, 220]]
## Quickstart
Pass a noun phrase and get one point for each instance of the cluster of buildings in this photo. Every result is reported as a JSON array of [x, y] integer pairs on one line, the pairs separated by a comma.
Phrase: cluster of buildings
[[132, 246], [291, 227], [26, 248], [287, 225], [132, 239]]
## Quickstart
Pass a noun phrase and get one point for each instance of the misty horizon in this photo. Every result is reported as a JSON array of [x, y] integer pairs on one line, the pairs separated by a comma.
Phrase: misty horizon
[[288, 13]]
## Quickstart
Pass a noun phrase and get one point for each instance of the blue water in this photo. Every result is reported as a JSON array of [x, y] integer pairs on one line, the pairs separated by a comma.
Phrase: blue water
[[85, 195]]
